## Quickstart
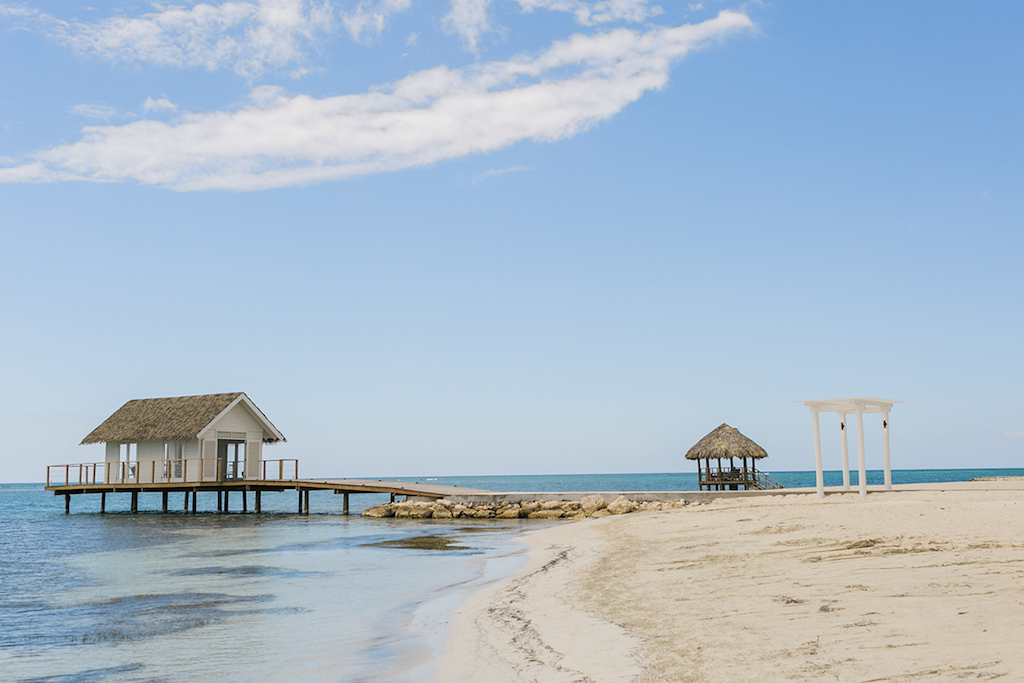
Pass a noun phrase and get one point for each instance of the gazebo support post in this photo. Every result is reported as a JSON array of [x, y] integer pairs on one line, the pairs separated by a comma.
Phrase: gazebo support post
[[820, 476], [846, 452], [885, 450], [861, 465]]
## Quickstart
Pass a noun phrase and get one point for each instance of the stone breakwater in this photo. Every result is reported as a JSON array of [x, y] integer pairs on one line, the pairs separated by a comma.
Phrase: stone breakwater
[[588, 506]]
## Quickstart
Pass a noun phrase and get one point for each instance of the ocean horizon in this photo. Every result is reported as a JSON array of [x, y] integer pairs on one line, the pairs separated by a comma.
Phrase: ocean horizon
[[324, 597]]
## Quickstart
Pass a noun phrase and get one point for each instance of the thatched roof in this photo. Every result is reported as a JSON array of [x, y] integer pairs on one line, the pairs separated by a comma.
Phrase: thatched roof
[[725, 442], [171, 419]]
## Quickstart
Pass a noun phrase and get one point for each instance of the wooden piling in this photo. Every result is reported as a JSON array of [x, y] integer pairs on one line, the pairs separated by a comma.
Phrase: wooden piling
[[397, 491]]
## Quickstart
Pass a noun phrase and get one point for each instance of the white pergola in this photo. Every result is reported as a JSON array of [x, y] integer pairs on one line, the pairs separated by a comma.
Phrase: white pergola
[[844, 407]]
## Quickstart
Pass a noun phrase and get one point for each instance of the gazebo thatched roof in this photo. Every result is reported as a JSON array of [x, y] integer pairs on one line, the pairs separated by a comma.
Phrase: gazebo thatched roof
[[181, 418], [725, 442]]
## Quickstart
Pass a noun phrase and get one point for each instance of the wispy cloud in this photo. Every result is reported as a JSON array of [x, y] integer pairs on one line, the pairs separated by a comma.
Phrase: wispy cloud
[[497, 173], [469, 18], [247, 37], [1017, 433], [429, 116], [96, 111], [162, 104], [371, 17]]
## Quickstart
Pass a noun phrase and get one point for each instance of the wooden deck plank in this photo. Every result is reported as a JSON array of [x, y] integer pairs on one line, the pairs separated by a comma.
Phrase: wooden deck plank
[[400, 488]]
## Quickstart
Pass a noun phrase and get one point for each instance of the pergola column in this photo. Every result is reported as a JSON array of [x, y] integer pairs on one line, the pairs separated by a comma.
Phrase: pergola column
[[846, 452], [885, 450], [817, 455], [861, 464]]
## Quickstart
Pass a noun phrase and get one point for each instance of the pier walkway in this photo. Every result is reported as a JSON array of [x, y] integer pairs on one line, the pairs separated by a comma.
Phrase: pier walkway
[[84, 479]]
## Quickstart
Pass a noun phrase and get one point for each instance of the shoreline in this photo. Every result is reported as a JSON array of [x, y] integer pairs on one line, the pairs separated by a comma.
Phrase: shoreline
[[924, 581]]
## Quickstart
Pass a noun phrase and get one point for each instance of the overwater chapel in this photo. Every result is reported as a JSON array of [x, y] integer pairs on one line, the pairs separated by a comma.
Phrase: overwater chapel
[[213, 437]]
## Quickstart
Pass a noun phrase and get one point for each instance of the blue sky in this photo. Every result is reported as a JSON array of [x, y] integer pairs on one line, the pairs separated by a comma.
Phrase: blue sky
[[515, 236]]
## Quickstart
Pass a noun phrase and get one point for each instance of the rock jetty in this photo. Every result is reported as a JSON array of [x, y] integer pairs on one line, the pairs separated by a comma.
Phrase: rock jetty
[[588, 506]]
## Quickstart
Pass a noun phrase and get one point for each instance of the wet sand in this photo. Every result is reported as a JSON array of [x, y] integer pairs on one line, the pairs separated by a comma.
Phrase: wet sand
[[922, 583]]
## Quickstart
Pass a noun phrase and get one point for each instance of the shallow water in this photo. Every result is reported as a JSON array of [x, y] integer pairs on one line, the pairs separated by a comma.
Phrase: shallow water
[[277, 596], [154, 597]]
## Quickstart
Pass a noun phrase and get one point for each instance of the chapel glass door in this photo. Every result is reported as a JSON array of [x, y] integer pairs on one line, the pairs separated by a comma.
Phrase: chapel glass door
[[232, 459]]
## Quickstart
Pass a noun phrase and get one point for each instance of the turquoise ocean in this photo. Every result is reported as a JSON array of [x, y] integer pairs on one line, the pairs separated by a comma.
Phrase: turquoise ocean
[[277, 596]]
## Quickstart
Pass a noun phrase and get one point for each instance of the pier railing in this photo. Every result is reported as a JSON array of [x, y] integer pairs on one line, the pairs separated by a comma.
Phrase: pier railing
[[281, 468], [182, 470], [735, 476], [765, 482]]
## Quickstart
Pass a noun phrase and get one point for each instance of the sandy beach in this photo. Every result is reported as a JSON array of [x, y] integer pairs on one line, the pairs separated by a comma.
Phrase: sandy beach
[[925, 582]]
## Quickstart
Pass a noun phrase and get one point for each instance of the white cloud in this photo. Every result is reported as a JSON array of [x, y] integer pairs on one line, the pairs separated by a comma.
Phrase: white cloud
[[599, 12], [372, 17], [247, 36], [162, 104], [1014, 434], [469, 18], [95, 111], [277, 140], [497, 173]]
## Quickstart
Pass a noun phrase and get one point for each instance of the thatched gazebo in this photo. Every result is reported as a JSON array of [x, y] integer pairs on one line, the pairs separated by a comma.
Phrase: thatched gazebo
[[727, 442]]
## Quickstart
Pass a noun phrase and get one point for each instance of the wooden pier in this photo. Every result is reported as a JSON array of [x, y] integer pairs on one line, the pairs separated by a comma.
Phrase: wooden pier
[[98, 478]]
